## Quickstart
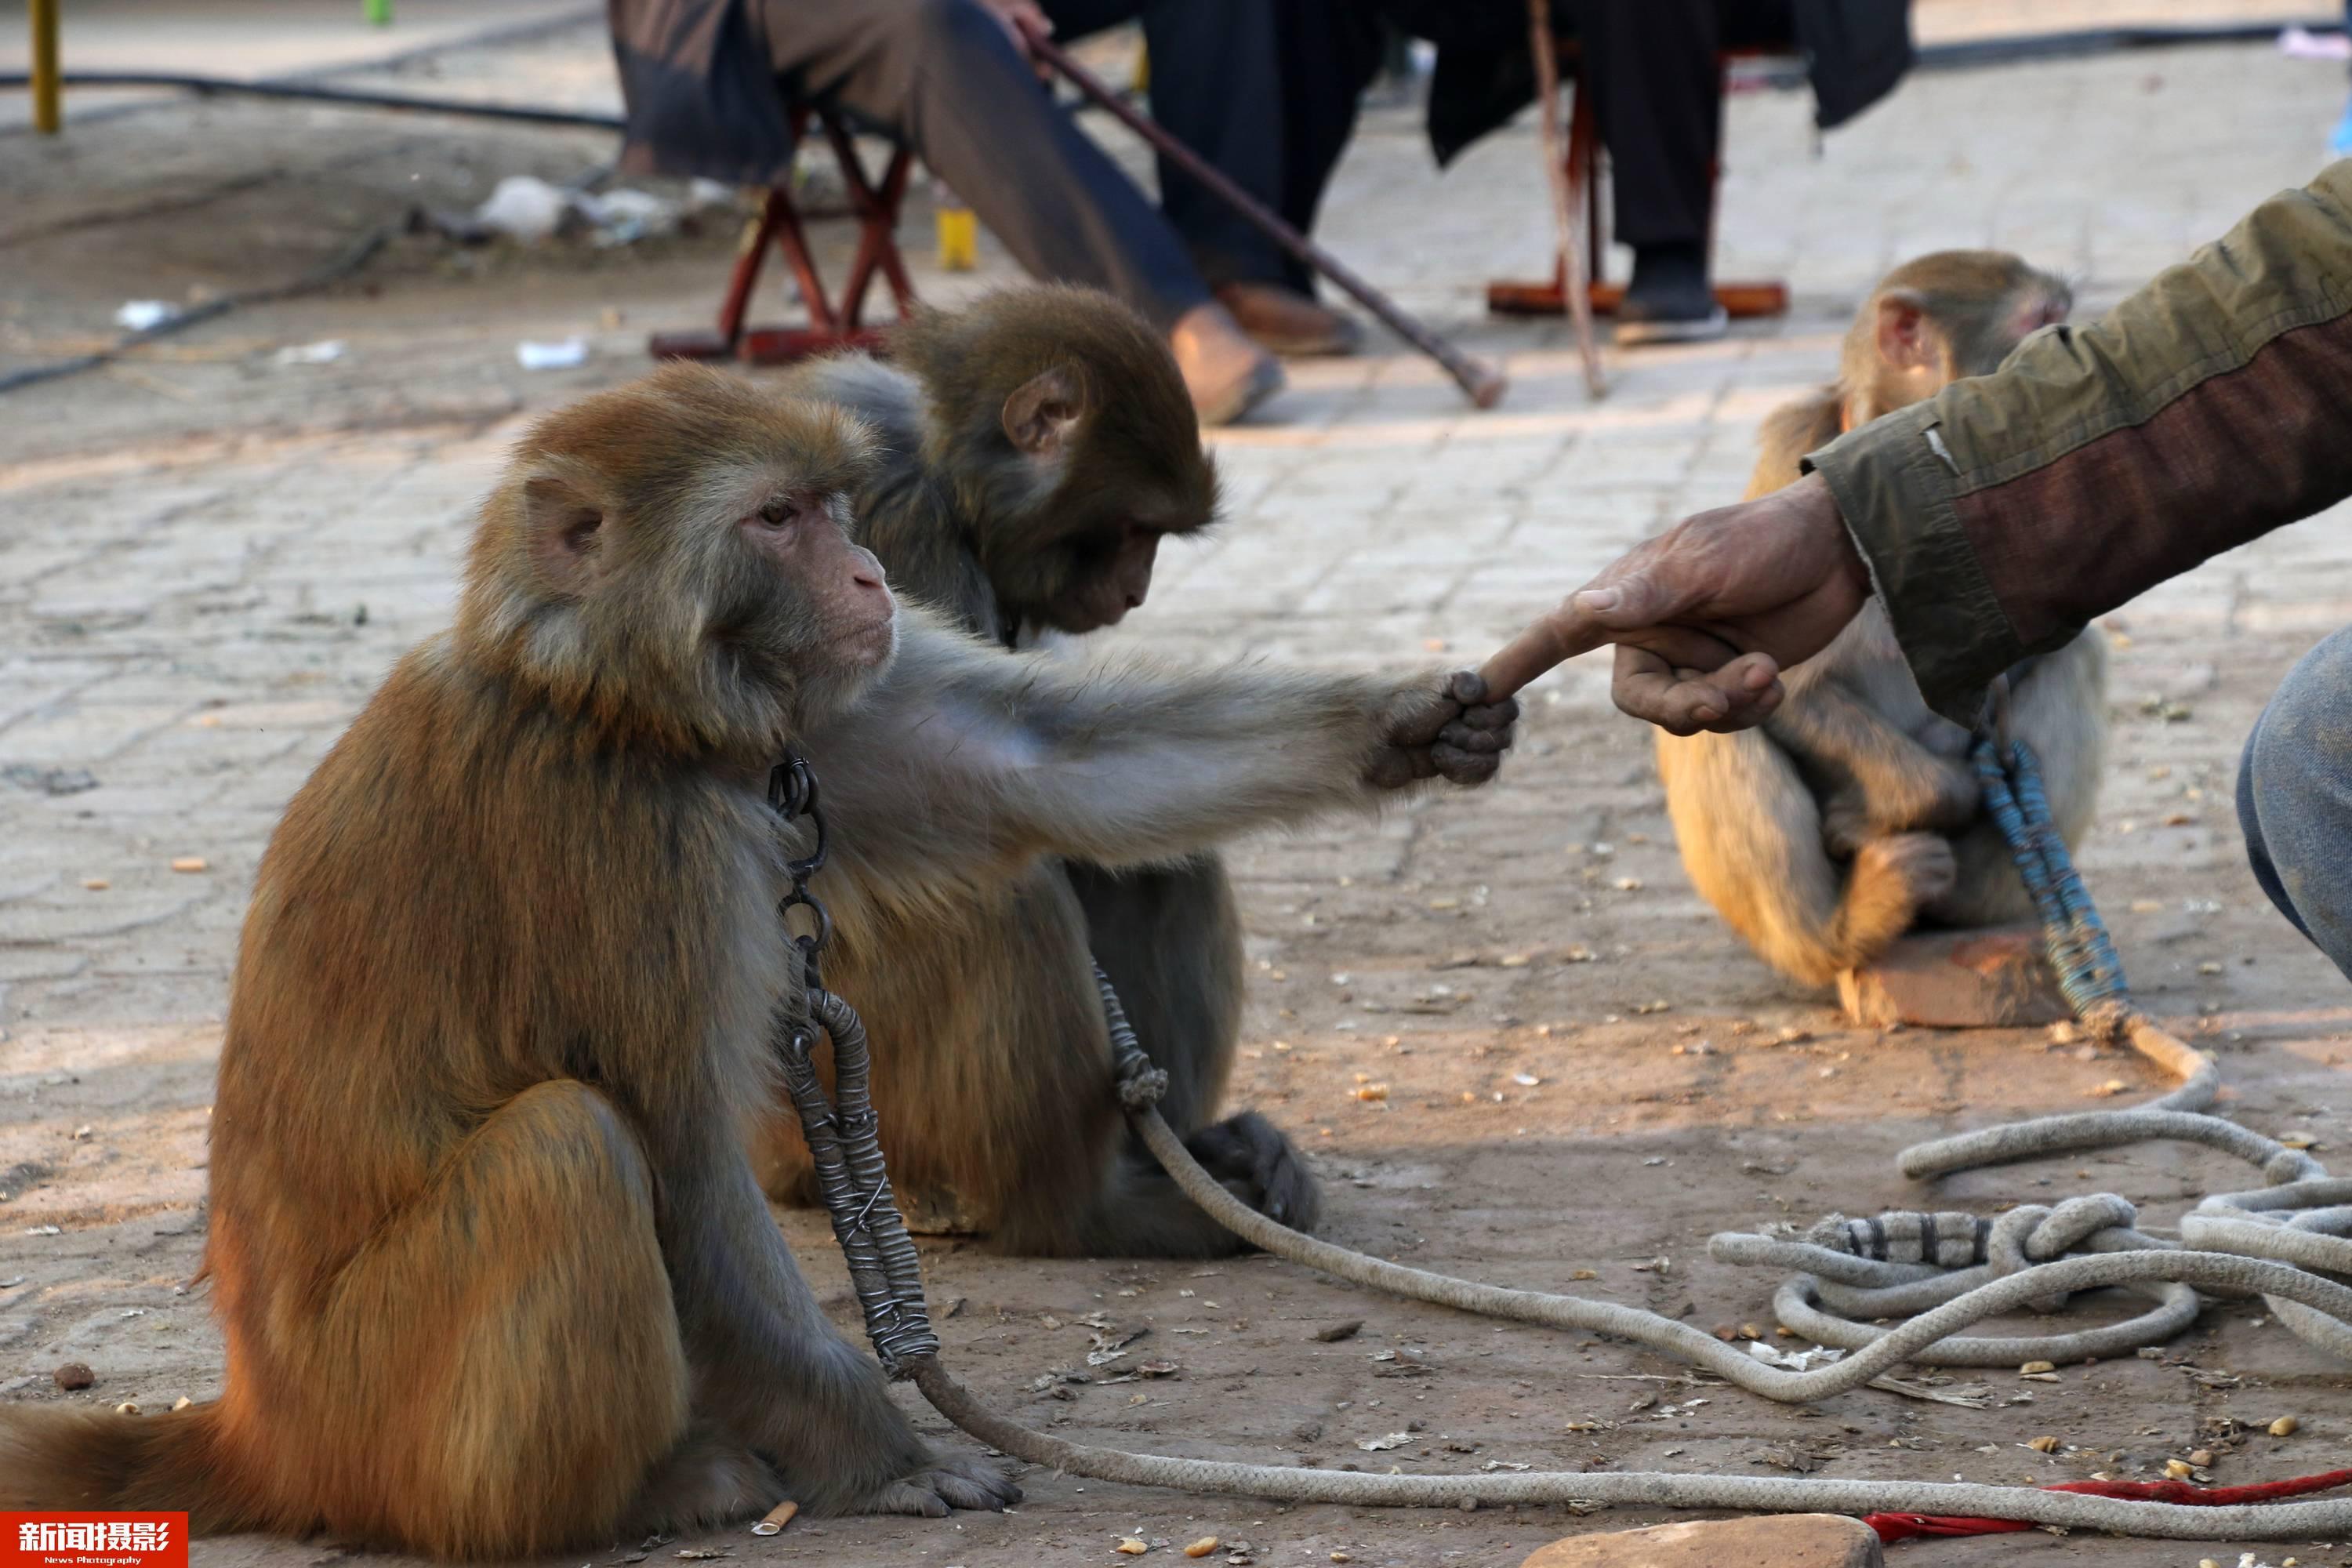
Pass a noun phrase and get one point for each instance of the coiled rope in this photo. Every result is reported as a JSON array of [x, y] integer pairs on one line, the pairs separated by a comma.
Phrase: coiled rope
[[1951, 1270]]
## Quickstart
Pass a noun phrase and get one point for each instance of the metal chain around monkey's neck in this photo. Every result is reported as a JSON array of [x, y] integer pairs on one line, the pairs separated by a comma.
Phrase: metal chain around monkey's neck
[[842, 1134]]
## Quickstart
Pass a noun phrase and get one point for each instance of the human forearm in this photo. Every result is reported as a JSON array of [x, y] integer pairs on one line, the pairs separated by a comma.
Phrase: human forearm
[[2212, 405]]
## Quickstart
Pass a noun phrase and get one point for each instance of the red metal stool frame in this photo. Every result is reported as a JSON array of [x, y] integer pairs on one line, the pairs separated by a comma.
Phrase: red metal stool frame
[[1586, 180], [830, 326]]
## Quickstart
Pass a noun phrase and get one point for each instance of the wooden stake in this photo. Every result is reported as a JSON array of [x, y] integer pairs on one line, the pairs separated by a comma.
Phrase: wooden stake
[[49, 110]]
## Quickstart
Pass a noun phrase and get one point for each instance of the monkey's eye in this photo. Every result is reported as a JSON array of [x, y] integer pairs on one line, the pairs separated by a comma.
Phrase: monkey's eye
[[783, 511]]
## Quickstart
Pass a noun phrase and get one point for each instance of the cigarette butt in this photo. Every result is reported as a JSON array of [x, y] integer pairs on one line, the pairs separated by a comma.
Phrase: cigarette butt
[[188, 863], [778, 1516], [96, 884]]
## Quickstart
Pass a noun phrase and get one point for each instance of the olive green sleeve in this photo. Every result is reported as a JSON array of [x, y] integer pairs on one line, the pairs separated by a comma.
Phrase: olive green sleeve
[[2210, 407]]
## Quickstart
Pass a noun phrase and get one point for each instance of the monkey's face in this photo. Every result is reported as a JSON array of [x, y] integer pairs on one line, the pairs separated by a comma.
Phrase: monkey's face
[[1108, 573], [829, 594], [674, 558], [795, 611]]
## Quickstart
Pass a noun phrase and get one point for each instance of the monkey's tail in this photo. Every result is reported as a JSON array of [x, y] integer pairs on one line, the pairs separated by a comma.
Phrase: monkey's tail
[[55, 1460]]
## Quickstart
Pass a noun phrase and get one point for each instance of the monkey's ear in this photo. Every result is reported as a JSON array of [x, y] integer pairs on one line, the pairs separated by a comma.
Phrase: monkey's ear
[[565, 530], [1043, 412], [1906, 341]]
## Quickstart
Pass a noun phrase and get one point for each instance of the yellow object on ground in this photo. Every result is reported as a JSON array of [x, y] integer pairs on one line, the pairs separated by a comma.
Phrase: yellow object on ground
[[959, 233], [48, 110]]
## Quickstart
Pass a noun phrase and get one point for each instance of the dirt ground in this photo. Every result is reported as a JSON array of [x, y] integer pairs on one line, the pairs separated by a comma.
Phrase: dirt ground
[[207, 558]]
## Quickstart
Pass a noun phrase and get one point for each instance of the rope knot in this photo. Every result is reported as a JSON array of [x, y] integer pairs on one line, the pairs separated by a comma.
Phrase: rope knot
[[2108, 1020], [1140, 1089], [2005, 1247], [2291, 1165], [2075, 1221]]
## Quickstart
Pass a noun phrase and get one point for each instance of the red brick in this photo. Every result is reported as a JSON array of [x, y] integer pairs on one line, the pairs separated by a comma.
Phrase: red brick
[[1994, 978], [1768, 1540]]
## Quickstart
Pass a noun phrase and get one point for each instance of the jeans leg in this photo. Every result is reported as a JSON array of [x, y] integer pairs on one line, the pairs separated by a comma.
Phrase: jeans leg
[[2294, 798]]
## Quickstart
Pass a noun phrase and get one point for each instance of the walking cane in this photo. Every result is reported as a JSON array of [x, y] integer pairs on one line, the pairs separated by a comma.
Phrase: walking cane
[[1481, 381]]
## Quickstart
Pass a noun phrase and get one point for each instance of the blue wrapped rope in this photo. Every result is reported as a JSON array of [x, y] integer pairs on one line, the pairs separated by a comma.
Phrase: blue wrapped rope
[[2089, 971]]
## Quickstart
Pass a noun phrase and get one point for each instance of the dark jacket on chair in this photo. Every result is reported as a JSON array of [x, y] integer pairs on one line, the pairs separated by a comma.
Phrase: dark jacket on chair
[[1854, 52]]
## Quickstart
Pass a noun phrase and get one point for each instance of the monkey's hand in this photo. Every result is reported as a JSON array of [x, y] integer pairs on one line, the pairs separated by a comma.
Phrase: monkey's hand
[[1446, 733], [946, 1481], [1257, 1164]]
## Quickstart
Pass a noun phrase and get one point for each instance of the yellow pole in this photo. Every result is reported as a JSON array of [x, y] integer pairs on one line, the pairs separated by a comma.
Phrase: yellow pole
[[47, 113]]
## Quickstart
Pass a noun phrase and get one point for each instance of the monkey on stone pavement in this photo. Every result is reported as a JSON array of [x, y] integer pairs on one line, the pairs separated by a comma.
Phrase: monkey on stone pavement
[[1852, 813], [1041, 447], [494, 1271]]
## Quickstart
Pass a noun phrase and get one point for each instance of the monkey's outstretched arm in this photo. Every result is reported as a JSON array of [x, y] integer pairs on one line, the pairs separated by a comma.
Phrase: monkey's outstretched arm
[[966, 762]]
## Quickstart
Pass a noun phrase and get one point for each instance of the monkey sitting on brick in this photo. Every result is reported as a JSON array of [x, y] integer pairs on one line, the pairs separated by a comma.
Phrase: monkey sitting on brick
[[1041, 449], [1852, 814]]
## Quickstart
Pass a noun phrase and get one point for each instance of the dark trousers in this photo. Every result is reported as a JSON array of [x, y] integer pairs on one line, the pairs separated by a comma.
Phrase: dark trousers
[[1264, 89], [1657, 100], [942, 76], [1650, 66]]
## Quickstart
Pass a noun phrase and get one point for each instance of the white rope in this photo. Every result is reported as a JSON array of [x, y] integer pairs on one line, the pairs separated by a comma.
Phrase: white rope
[[1951, 1270]]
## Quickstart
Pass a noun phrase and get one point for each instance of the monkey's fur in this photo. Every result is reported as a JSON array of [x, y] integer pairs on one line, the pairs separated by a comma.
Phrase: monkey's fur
[[1852, 813], [1042, 444], [495, 1274]]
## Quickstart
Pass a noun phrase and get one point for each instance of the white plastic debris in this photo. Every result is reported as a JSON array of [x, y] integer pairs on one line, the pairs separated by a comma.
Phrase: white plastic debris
[[324, 352], [144, 315], [1795, 1361], [625, 216], [529, 210], [524, 207], [564, 355], [2302, 43]]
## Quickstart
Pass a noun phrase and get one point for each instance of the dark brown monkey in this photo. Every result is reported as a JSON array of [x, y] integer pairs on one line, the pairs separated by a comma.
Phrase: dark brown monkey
[[1852, 814], [1042, 448], [495, 1273]]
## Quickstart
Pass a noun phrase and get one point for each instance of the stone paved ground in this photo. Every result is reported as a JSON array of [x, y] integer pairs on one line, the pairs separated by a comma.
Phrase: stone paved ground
[[207, 560]]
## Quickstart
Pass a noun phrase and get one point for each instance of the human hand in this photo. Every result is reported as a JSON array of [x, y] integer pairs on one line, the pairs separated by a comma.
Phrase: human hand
[[1020, 18], [1706, 615]]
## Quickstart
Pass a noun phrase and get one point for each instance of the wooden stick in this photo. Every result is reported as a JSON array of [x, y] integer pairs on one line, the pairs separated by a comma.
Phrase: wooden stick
[[1566, 231], [1481, 381]]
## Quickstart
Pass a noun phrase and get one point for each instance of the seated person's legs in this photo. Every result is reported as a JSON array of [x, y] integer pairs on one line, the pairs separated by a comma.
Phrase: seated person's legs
[[1265, 91], [945, 76], [1650, 67], [2294, 798]]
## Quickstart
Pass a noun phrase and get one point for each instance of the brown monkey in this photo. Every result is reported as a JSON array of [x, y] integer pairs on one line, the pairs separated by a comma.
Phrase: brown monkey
[[1042, 448], [1852, 813], [495, 1272]]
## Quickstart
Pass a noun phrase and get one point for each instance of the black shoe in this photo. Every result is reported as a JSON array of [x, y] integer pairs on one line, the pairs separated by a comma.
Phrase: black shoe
[[1670, 300]]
